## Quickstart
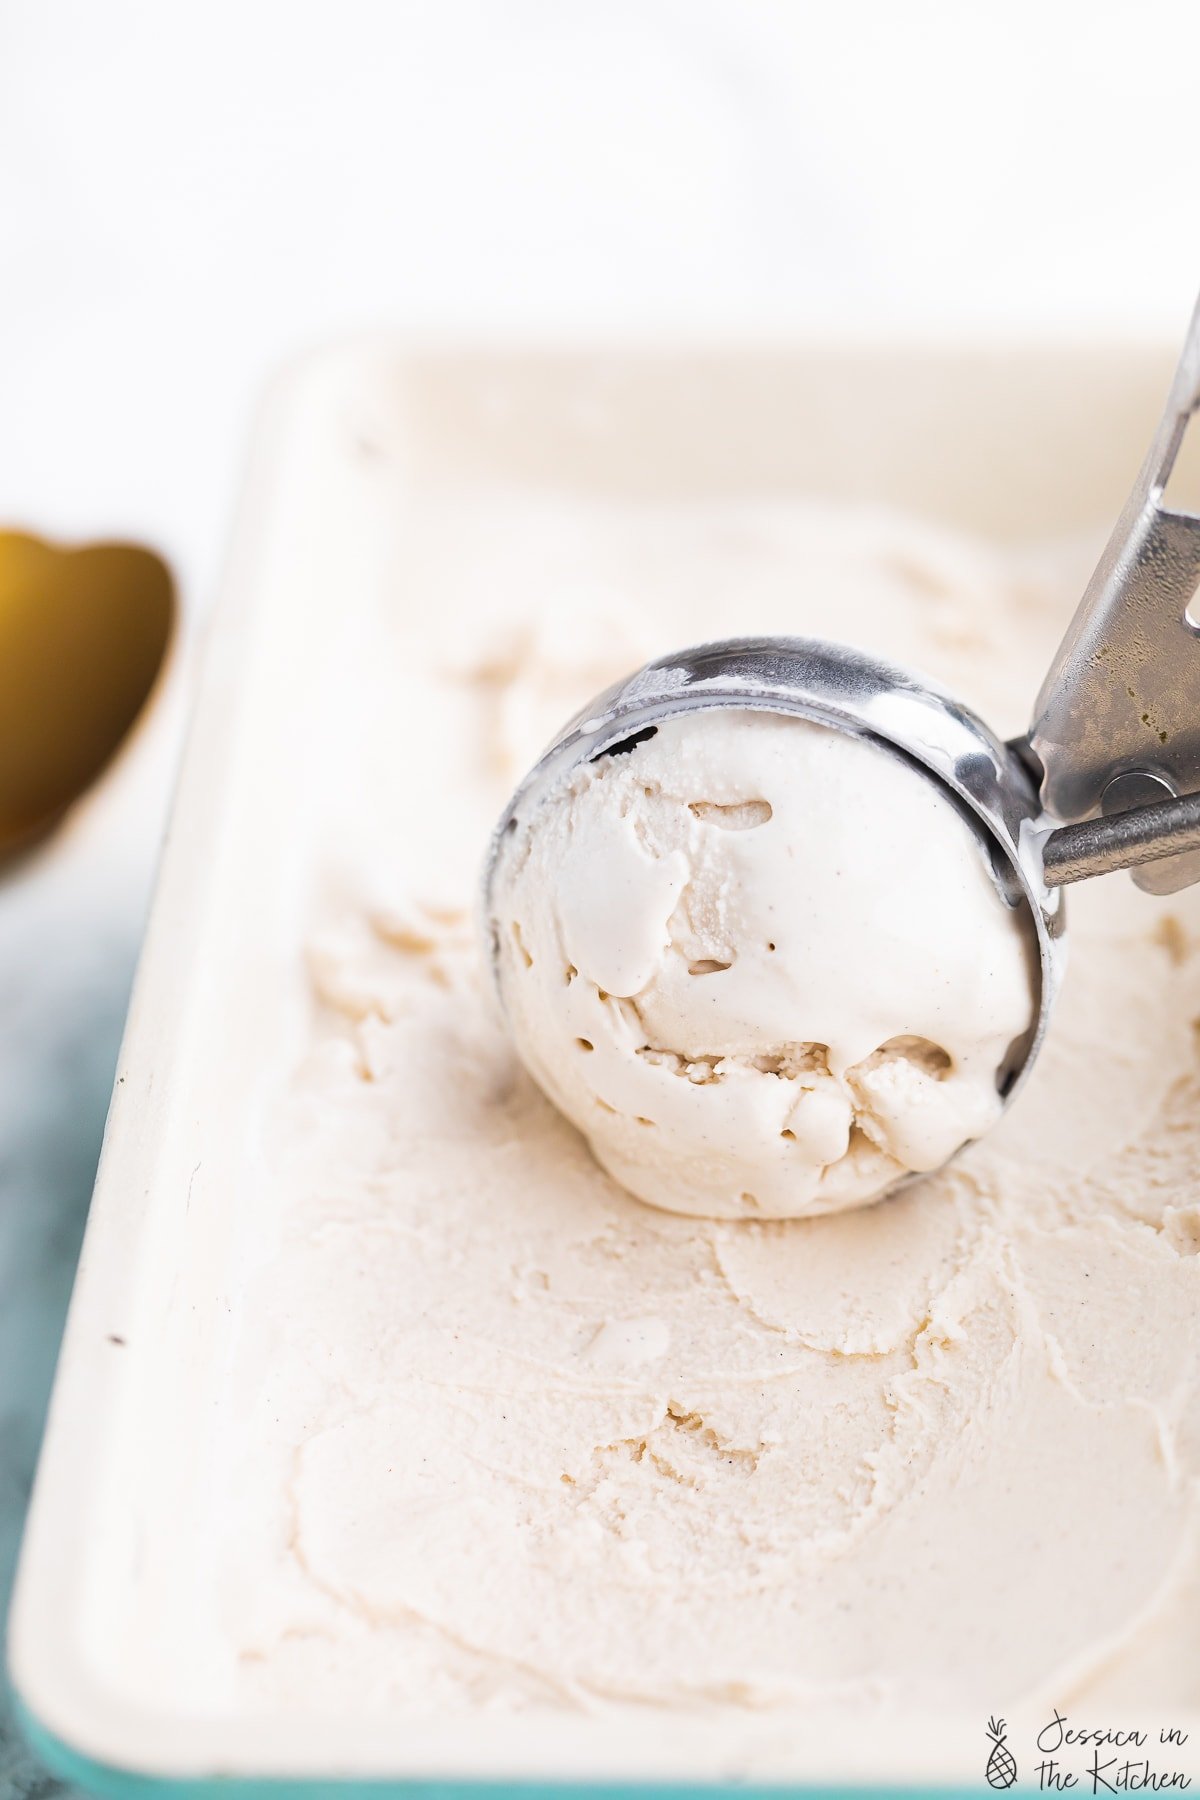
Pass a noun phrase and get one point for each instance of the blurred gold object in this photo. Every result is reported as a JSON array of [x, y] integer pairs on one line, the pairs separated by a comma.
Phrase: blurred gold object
[[83, 635]]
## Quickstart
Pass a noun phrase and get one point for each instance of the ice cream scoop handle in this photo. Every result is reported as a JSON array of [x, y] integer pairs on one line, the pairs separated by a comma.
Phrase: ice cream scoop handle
[[1125, 840], [1122, 694]]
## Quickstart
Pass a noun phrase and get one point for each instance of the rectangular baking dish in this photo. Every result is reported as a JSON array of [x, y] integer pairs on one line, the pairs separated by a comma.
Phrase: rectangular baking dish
[[1013, 442]]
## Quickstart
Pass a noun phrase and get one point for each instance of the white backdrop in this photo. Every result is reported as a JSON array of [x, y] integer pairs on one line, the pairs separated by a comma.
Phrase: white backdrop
[[189, 189]]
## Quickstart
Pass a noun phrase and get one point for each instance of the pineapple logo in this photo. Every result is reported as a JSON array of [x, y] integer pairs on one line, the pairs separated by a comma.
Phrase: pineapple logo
[[1001, 1764]]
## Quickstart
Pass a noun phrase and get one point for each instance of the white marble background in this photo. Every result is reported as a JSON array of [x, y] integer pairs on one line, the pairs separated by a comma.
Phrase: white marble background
[[191, 191]]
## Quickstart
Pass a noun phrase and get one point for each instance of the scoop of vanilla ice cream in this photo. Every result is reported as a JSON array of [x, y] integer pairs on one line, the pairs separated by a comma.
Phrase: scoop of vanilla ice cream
[[761, 964]]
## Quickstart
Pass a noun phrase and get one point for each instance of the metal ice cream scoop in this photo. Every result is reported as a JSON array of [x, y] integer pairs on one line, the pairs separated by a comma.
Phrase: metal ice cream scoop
[[1107, 778]]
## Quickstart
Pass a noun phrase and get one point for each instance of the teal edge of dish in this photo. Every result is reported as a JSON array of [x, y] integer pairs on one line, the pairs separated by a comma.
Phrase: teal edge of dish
[[109, 1783]]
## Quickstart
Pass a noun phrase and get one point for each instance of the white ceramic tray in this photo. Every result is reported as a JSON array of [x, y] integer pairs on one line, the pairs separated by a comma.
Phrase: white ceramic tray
[[1010, 442]]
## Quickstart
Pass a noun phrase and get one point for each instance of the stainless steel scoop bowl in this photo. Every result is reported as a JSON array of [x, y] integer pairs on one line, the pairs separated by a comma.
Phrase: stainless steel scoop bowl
[[1107, 778]]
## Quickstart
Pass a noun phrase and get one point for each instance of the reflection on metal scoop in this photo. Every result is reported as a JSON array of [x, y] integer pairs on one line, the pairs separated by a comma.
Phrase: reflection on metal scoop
[[1116, 731], [83, 635]]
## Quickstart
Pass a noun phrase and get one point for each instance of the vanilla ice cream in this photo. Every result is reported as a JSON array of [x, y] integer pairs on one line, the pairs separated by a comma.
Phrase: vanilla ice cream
[[533, 1444], [474, 1436], [761, 964]]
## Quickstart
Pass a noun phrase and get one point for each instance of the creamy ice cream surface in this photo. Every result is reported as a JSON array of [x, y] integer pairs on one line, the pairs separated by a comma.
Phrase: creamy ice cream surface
[[761, 964], [499, 1440]]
